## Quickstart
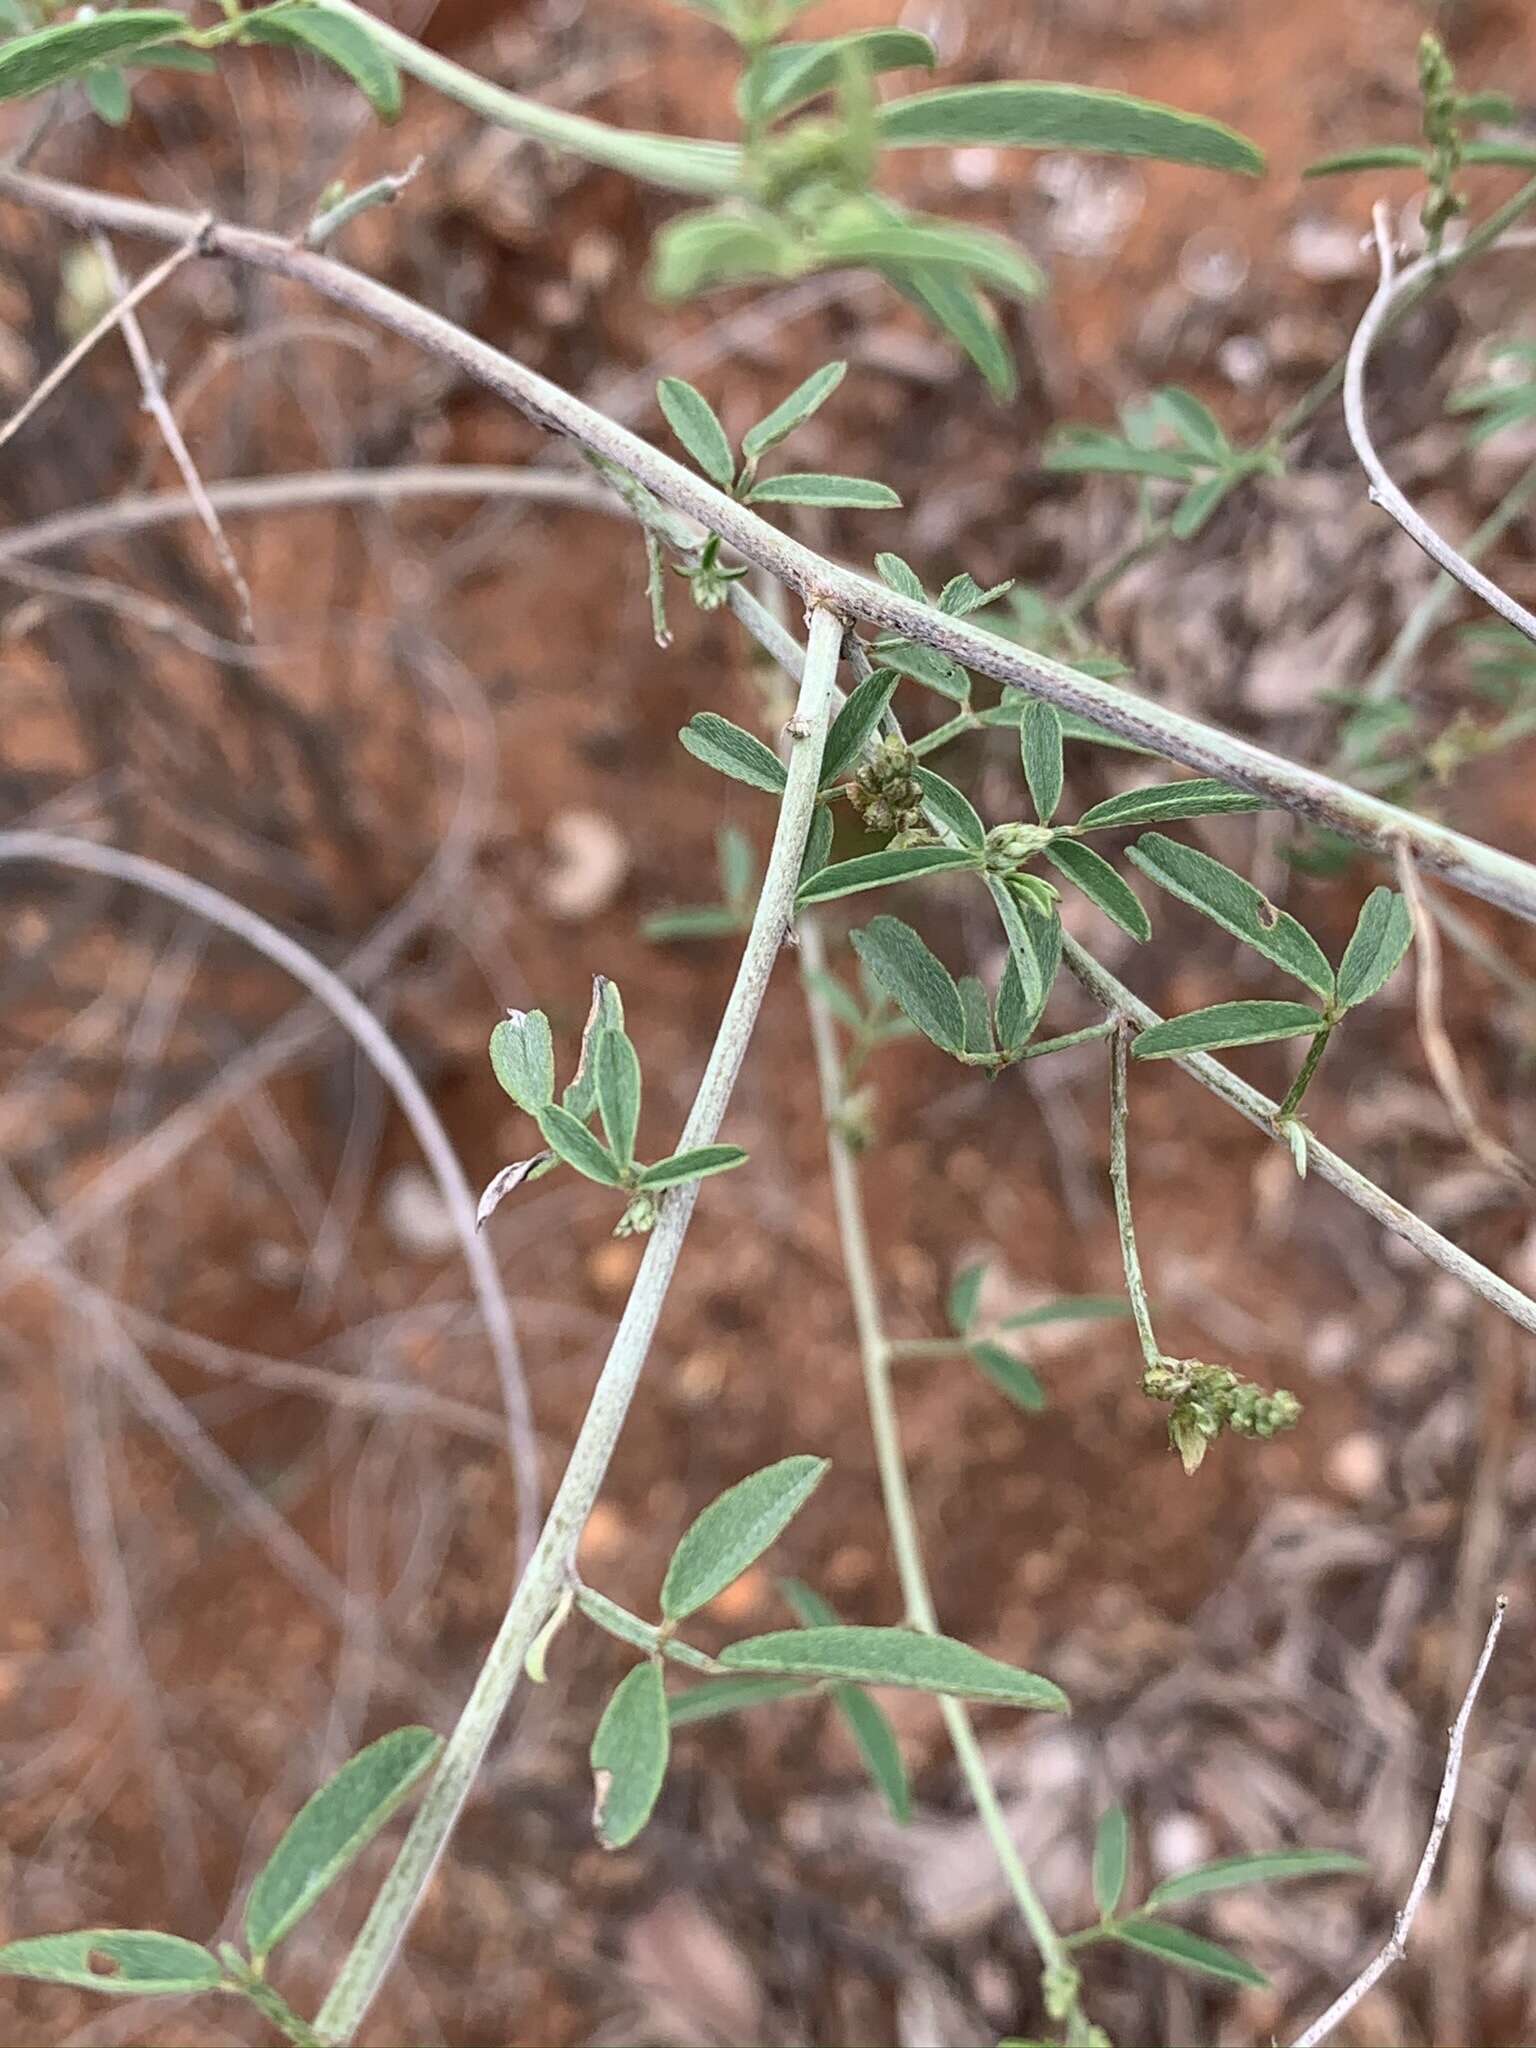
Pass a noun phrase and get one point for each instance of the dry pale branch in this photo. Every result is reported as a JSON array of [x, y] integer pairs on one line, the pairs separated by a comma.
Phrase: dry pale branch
[[1397, 1946]]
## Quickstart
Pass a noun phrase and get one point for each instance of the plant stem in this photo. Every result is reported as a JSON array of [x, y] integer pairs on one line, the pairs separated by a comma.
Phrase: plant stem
[[678, 164], [875, 1353], [640, 1635], [1087, 1036], [963, 722], [1120, 1181], [1303, 1080], [539, 1588]]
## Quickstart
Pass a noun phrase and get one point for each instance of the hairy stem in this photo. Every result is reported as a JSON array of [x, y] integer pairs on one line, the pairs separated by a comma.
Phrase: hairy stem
[[1120, 1181], [875, 1355], [546, 1574], [1304, 1073]]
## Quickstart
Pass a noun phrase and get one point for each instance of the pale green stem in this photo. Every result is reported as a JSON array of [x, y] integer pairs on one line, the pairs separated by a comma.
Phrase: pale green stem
[[1303, 1080], [640, 1635], [553, 1557], [875, 1358], [1120, 1181], [678, 164]]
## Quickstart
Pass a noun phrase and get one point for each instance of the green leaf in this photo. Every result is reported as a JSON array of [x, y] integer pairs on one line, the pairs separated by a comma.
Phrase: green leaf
[[1040, 745], [717, 245], [617, 1074], [1202, 796], [606, 1013], [68, 49], [629, 1756], [107, 90], [1111, 1859], [812, 489], [734, 1531], [932, 246], [1040, 116], [1073, 727], [693, 921], [925, 665], [1015, 1017], [726, 747], [1099, 882], [879, 870], [962, 595], [1089, 451], [1387, 156], [342, 40], [1072, 1308], [956, 306], [978, 1016], [1009, 1374], [1188, 1952], [1194, 423], [1226, 1024], [1197, 504], [805, 399], [1382, 935], [332, 1829], [1229, 1872], [855, 724], [1023, 957], [693, 419], [898, 576], [698, 1164], [175, 57], [952, 808], [113, 1959], [914, 978], [523, 1059], [736, 863], [1233, 903], [1518, 156], [867, 1722], [570, 1139], [718, 1696], [818, 845], [786, 75], [964, 1295], [895, 1656]]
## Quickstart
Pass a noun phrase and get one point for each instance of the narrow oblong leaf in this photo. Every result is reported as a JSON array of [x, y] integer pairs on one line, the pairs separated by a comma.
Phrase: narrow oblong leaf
[[1226, 1024], [913, 977], [618, 1093], [1072, 1308], [793, 411], [1188, 1951], [120, 1960], [737, 864], [810, 488], [818, 845], [342, 40], [1104, 888], [523, 1058], [1195, 424], [717, 245], [953, 303], [735, 1530], [933, 245], [880, 870], [895, 1656], [570, 1140], [1040, 746], [1016, 1018], [332, 1829], [629, 1756], [719, 1696], [964, 1298], [925, 665], [786, 75], [1233, 903], [963, 595], [897, 575], [1199, 502], [727, 748], [698, 1164], [855, 725], [952, 808], [868, 1722], [1111, 1860], [1010, 1375], [32, 63], [1277, 1867], [693, 419], [1202, 796], [1023, 957], [1382, 935], [977, 1012], [693, 921], [1048, 116], [1387, 156], [605, 1013], [1089, 451]]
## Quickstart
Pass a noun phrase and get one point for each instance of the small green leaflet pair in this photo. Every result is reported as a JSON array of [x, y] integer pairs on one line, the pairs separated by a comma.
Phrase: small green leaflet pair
[[99, 49], [1172, 437], [960, 596], [1382, 935], [632, 1746], [1144, 1930], [327, 1835], [607, 1085], [1004, 1368]]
